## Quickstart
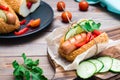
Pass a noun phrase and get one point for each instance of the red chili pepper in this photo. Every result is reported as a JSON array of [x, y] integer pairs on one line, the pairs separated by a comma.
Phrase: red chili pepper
[[22, 31], [23, 22], [96, 32], [29, 4], [4, 8]]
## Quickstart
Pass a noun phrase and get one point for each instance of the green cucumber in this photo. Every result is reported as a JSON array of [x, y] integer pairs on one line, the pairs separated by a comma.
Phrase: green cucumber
[[116, 65], [99, 65], [70, 34], [78, 29], [2, 15], [107, 61], [73, 31], [86, 69]]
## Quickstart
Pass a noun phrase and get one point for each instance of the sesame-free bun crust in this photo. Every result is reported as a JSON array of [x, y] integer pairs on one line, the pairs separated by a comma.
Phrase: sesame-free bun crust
[[102, 38], [5, 27]]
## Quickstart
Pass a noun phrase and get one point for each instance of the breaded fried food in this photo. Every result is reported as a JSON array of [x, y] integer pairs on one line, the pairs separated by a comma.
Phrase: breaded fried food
[[8, 19]]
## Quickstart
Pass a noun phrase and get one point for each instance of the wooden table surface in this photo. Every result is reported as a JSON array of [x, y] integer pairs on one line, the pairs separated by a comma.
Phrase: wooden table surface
[[35, 45]]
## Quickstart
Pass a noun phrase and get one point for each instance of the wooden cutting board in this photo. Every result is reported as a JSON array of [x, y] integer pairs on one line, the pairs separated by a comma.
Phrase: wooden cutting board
[[60, 74]]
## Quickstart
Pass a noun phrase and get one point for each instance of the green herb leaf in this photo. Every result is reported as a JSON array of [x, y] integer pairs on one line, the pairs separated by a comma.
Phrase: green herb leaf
[[19, 78], [27, 70], [19, 71], [36, 69], [27, 74], [15, 64], [29, 62], [24, 56], [89, 25], [43, 77]]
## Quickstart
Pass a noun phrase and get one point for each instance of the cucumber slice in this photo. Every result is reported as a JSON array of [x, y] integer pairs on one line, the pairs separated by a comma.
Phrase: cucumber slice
[[116, 65], [107, 61], [70, 33], [73, 31], [86, 69], [78, 29], [2, 15], [99, 65]]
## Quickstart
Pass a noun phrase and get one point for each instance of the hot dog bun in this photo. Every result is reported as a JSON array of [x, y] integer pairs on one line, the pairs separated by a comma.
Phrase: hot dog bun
[[6, 27], [102, 38]]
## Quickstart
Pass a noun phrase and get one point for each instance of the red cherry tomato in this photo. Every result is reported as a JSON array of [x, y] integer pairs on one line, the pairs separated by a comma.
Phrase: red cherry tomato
[[60, 6], [83, 5], [66, 16]]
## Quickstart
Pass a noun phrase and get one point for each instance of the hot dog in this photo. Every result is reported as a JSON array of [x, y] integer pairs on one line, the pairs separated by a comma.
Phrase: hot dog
[[8, 19], [69, 45], [11, 19], [73, 45], [24, 7]]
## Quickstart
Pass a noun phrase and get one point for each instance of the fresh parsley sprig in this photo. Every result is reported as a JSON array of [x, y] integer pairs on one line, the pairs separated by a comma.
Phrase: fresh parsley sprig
[[29, 70], [89, 25]]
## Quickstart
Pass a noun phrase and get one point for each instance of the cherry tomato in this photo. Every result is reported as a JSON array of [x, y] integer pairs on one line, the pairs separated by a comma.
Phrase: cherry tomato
[[60, 6], [83, 5], [66, 16]]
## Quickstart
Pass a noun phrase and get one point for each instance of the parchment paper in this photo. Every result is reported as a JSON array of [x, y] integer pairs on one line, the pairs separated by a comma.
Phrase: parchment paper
[[53, 41]]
